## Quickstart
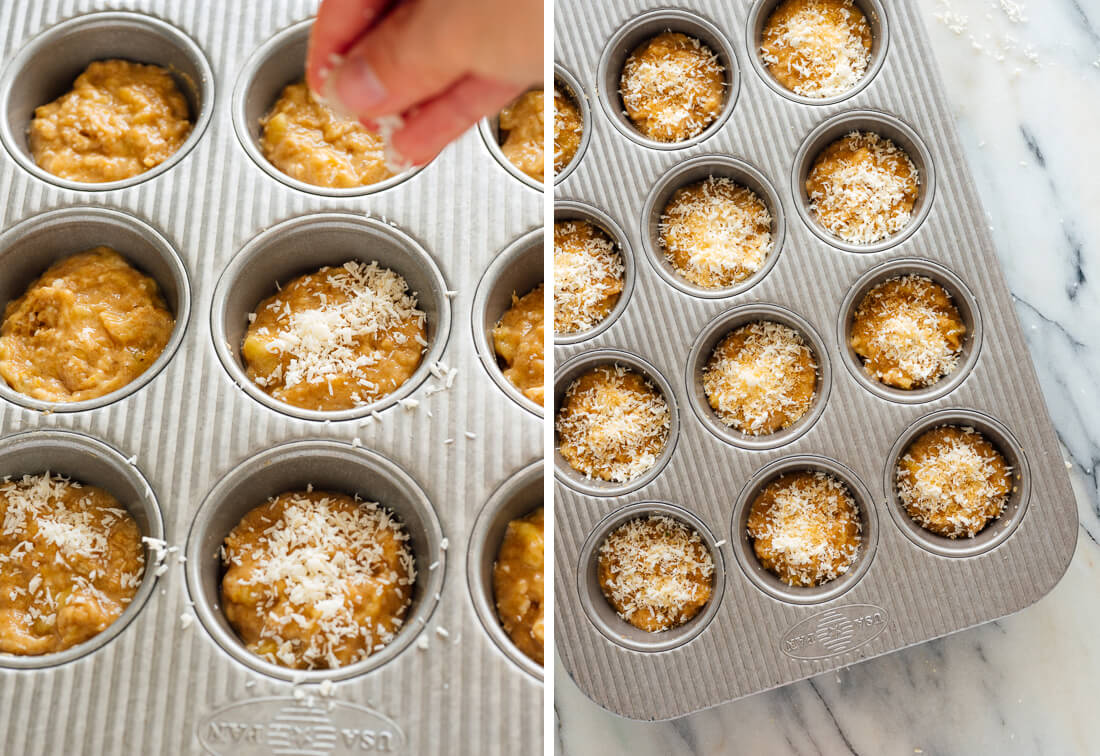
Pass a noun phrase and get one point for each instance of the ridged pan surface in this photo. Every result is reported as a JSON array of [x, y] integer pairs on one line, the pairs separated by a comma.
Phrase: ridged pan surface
[[764, 635], [166, 683]]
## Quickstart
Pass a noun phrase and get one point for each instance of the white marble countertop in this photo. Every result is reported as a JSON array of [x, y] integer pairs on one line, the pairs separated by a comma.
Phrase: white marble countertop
[[1023, 80]]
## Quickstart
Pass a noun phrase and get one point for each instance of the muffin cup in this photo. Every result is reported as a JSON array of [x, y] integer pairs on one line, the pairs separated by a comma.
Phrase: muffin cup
[[30, 247], [275, 64], [578, 366], [304, 245], [567, 82], [92, 462], [517, 497], [887, 126], [578, 211], [698, 169], [766, 580], [645, 27], [877, 19], [599, 610], [48, 65], [964, 300], [707, 341], [998, 530], [517, 269], [327, 466]]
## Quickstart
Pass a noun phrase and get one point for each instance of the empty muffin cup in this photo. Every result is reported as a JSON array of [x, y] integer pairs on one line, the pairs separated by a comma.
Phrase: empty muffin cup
[[574, 369], [961, 297], [86, 460], [888, 127], [274, 65], [765, 579], [638, 30], [516, 270], [694, 170], [709, 339], [998, 530], [327, 466], [568, 210], [873, 11], [48, 65], [517, 497], [304, 245], [30, 247], [602, 614]]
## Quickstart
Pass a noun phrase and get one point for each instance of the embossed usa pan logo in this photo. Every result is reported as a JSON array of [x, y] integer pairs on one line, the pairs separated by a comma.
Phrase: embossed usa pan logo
[[834, 631], [292, 727]]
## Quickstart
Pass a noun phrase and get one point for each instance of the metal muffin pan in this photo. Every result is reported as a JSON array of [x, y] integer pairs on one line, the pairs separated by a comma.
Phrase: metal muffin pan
[[83, 459], [907, 586], [211, 450], [47, 66]]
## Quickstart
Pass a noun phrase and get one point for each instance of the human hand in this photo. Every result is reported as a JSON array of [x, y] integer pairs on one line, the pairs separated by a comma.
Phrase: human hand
[[441, 65]]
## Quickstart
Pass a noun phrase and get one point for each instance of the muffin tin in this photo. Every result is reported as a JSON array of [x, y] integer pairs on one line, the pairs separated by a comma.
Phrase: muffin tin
[[907, 586], [192, 445]]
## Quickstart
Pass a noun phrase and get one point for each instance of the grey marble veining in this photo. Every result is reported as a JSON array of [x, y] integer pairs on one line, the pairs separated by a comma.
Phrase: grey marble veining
[[1023, 80]]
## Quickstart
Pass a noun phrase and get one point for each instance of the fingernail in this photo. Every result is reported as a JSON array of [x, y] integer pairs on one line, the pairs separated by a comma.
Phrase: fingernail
[[356, 84]]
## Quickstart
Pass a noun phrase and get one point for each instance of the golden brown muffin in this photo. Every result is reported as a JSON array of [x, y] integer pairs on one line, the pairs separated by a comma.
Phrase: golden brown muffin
[[656, 572], [119, 120], [317, 580], [71, 561], [517, 584], [88, 326], [953, 481], [805, 528]]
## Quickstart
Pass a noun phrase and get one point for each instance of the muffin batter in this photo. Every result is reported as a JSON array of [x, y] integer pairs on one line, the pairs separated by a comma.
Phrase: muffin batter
[[71, 561], [862, 188], [521, 128], [588, 276], [817, 48], [908, 332], [953, 481], [613, 424], [805, 528], [673, 87], [568, 129], [517, 584], [656, 572], [336, 339], [88, 326], [518, 339], [119, 120], [716, 233], [307, 141], [761, 378], [317, 580]]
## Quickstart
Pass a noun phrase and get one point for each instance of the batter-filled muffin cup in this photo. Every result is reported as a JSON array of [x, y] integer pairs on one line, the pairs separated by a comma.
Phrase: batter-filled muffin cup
[[589, 275], [105, 100], [804, 529], [616, 422], [817, 48], [518, 583], [518, 339], [520, 127]]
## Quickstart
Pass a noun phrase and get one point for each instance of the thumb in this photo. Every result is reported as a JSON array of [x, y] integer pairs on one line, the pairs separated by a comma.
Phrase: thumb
[[404, 59]]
